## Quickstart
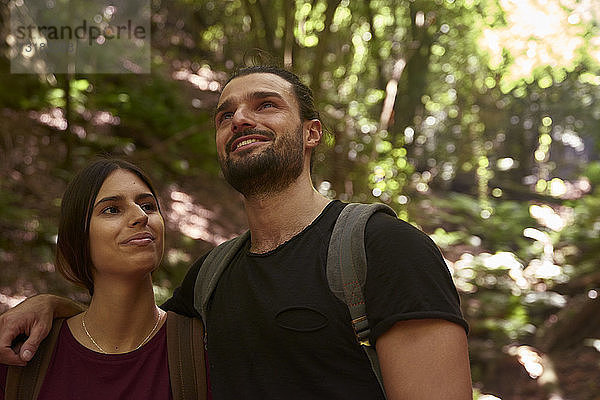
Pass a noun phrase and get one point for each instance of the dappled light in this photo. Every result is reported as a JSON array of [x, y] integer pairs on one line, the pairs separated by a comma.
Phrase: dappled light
[[529, 358], [477, 121], [53, 118], [104, 118], [553, 40], [203, 78], [11, 301], [549, 218], [192, 220]]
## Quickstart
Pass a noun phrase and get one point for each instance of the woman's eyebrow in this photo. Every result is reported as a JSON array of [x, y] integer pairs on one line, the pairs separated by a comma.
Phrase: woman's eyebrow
[[143, 196], [109, 198], [139, 197]]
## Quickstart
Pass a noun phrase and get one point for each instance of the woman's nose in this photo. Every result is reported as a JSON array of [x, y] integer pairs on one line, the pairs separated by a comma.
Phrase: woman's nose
[[138, 216]]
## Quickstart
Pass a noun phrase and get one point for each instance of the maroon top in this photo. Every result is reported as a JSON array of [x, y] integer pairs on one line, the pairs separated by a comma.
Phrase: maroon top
[[76, 372]]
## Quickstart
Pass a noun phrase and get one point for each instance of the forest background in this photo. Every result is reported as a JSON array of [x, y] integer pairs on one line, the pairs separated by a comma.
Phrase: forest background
[[476, 120]]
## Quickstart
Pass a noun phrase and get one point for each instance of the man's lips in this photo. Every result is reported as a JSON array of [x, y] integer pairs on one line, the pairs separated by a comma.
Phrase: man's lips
[[139, 239], [248, 137]]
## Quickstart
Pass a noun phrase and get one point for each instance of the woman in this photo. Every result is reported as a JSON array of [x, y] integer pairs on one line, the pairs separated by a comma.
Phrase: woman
[[110, 240]]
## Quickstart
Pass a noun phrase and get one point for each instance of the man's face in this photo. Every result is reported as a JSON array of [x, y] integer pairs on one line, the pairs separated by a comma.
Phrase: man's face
[[259, 134]]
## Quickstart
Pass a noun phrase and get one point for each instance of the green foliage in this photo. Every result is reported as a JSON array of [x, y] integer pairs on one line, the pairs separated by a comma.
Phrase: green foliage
[[580, 238], [592, 172], [448, 110], [503, 229]]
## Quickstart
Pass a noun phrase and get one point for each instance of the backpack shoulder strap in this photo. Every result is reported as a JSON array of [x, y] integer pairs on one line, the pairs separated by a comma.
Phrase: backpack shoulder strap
[[211, 269], [24, 383], [347, 269], [185, 353]]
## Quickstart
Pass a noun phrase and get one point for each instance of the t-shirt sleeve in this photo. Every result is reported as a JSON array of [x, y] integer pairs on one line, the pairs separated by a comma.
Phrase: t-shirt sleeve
[[182, 301], [407, 277]]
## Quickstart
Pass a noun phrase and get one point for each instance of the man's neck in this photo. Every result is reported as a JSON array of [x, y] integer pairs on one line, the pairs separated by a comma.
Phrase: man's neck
[[276, 218]]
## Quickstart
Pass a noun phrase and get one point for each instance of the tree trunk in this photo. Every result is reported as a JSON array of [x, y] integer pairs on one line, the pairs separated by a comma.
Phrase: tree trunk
[[69, 138], [321, 48]]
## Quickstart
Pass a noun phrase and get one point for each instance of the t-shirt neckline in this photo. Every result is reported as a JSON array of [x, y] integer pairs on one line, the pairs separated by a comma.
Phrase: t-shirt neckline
[[86, 352], [296, 236]]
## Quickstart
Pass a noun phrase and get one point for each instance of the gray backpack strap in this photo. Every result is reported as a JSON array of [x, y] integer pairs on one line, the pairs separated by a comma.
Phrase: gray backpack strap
[[213, 266], [347, 270]]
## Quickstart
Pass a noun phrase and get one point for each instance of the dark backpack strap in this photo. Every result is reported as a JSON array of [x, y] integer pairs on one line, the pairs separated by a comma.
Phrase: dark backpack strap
[[185, 350], [347, 270], [24, 383], [213, 266]]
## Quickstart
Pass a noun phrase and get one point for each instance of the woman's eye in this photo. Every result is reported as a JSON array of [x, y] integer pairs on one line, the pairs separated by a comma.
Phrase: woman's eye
[[110, 210], [149, 207]]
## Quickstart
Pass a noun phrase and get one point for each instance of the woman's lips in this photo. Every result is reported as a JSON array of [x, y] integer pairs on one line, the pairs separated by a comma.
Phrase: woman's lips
[[139, 239]]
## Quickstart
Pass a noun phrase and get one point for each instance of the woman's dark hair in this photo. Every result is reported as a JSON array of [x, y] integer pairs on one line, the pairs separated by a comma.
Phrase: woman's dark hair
[[73, 258], [304, 95]]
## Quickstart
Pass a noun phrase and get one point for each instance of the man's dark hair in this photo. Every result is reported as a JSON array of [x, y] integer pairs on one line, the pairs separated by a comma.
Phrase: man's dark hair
[[304, 95], [73, 259]]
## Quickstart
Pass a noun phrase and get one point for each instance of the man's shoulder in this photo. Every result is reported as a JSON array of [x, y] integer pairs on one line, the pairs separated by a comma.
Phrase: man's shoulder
[[382, 219], [195, 267], [385, 228]]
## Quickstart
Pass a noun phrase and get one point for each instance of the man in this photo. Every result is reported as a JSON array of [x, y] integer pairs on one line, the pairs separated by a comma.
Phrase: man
[[274, 329]]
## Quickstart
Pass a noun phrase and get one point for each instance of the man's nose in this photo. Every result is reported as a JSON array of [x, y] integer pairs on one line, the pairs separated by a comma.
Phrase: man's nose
[[242, 120]]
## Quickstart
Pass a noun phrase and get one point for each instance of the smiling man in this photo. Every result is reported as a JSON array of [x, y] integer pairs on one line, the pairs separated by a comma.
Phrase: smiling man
[[260, 134], [274, 328]]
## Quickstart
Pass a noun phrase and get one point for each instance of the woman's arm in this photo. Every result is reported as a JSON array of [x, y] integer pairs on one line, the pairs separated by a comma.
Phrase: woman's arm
[[32, 318]]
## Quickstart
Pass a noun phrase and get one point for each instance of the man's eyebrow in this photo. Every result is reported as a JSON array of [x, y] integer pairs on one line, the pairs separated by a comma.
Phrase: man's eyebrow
[[223, 106], [262, 95], [254, 95]]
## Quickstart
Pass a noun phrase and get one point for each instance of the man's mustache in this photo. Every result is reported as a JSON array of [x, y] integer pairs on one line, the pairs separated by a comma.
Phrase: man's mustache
[[247, 132]]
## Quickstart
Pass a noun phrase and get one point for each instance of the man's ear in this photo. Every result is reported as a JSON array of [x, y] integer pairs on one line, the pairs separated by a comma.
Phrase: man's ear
[[313, 132]]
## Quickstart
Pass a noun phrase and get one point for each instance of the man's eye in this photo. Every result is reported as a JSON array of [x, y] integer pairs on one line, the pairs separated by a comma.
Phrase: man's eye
[[226, 115], [266, 105]]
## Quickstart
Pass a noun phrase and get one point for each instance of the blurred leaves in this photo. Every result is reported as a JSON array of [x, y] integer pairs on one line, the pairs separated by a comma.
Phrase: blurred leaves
[[477, 120]]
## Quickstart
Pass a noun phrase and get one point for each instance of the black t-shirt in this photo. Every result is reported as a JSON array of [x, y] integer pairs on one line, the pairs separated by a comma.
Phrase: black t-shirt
[[275, 330]]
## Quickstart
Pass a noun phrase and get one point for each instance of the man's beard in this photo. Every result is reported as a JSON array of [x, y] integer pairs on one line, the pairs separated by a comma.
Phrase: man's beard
[[269, 170]]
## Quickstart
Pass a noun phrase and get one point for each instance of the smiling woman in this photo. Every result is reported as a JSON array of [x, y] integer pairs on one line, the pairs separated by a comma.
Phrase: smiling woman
[[126, 227], [97, 196], [110, 239]]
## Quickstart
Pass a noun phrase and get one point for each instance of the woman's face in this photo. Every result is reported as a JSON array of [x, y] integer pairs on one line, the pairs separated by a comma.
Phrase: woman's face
[[126, 228]]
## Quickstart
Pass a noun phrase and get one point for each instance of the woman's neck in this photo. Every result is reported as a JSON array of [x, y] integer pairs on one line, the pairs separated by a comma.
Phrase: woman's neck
[[122, 316]]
